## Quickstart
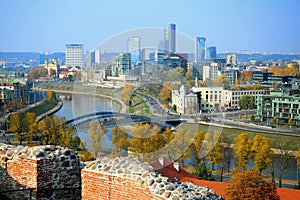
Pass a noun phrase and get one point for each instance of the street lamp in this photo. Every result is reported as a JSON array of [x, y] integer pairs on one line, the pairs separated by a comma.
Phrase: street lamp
[[268, 118]]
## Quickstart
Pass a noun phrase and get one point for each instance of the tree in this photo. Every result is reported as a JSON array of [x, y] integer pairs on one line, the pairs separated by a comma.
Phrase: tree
[[285, 156], [252, 118], [165, 94], [50, 96], [208, 82], [250, 185], [196, 146], [127, 92], [120, 139], [239, 116], [227, 155], [245, 117], [221, 81], [215, 155], [30, 126], [242, 150], [246, 101], [263, 155], [15, 127], [96, 132], [203, 172], [298, 157]]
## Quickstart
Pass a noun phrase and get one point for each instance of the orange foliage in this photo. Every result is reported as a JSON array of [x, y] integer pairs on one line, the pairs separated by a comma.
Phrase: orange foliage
[[250, 185]]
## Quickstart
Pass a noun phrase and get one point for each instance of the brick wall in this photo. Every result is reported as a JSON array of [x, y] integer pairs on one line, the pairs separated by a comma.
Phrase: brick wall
[[53, 172], [97, 186]]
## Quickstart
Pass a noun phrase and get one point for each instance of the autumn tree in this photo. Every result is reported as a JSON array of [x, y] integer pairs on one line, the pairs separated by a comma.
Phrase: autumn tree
[[242, 150], [16, 127], [127, 92], [284, 156], [215, 155], [263, 155], [250, 184], [196, 146], [165, 94], [50, 96], [30, 126], [227, 155], [120, 139], [97, 133], [246, 101], [221, 81], [298, 157]]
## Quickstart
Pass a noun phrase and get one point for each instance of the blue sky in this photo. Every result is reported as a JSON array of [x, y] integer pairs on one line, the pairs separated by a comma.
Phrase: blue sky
[[231, 25]]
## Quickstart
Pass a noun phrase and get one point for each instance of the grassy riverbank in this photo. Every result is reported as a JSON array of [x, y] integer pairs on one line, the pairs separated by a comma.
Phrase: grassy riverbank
[[277, 141]]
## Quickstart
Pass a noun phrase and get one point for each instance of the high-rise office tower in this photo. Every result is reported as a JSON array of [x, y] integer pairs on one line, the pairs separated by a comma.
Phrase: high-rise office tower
[[97, 56], [212, 52], [199, 49], [134, 47], [172, 37], [74, 55]]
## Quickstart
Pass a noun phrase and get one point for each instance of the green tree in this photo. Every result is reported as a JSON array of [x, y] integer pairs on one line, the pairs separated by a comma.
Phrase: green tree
[[246, 101], [120, 139], [96, 132], [242, 150], [203, 172], [252, 118], [250, 185], [263, 155]]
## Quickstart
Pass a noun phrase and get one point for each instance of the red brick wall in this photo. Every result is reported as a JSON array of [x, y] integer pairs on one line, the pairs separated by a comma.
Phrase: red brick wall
[[100, 186], [24, 171]]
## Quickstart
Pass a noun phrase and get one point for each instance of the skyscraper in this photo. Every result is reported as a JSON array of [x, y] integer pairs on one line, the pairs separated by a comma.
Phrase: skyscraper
[[74, 55], [97, 56], [199, 49], [134, 47], [212, 52], [172, 37]]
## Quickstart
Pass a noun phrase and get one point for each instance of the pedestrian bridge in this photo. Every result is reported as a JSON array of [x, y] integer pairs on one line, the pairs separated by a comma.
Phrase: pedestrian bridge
[[116, 118]]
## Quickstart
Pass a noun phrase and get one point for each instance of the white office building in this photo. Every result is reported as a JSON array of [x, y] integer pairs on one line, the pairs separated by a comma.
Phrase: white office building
[[74, 55]]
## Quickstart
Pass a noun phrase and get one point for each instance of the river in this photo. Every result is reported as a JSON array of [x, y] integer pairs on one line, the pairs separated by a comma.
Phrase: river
[[77, 105]]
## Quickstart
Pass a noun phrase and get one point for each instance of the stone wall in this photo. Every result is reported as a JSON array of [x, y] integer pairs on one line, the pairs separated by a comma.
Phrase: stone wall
[[53, 172], [126, 178]]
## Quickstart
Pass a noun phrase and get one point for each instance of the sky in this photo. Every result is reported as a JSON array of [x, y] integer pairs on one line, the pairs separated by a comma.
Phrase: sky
[[230, 25]]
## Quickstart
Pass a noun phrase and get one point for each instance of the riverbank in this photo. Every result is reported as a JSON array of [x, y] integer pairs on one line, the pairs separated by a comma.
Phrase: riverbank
[[120, 102]]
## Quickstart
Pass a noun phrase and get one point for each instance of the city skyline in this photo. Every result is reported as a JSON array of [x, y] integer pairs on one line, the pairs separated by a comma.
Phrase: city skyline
[[231, 26]]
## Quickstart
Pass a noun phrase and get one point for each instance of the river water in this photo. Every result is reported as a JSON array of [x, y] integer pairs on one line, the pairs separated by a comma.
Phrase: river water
[[77, 105]]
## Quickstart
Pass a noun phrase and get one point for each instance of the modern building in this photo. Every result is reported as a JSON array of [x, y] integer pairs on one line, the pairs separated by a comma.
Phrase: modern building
[[122, 65], [185, 103], [232, 75], [97, 56], [212, 68], [134, 48], [174, 60], [172, 37], [212, 98], [268, 79], [199, 49], [74, 55], [232, 97], [212, 53], [283, 105]]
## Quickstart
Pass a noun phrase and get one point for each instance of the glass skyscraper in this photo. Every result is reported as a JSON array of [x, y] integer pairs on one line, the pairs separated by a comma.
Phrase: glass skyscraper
[[199, 49], [172, 37], [212, 52], [74, 55], [134, 47]]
